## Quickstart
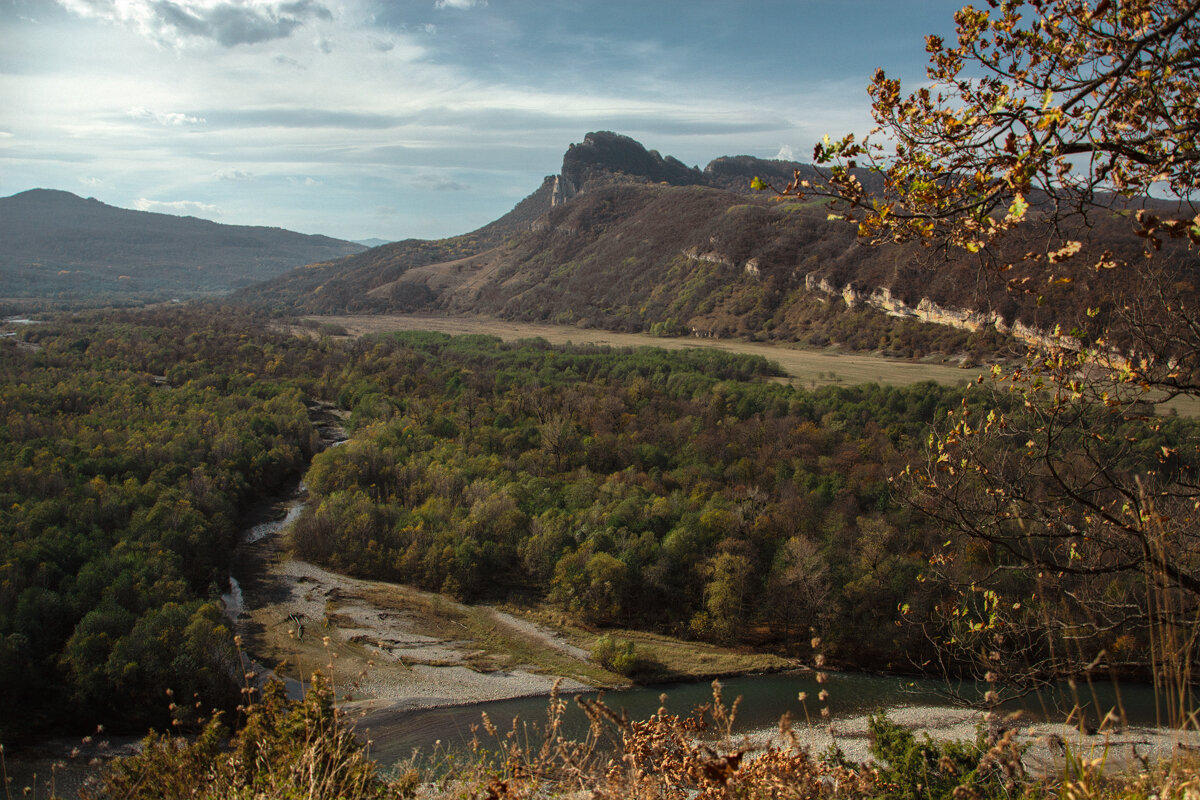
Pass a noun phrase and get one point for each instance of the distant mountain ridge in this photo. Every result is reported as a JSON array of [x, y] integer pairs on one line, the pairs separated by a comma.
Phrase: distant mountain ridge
[[623, 238], [54, 244], [602, 160]]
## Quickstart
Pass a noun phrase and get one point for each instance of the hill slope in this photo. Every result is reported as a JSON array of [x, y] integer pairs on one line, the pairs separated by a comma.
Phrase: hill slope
[[54, 244], [625, 239]]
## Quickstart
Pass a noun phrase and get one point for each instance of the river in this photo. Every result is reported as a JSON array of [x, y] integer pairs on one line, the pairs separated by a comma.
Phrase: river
[[395, 735]]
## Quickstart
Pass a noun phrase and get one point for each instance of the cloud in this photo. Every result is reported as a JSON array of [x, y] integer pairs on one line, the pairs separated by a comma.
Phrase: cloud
[[785, 153], [176, 206], [305, 118], [91, 181], [460, 4], [231, 174], [167, 118], [175, 22], [437, 183]]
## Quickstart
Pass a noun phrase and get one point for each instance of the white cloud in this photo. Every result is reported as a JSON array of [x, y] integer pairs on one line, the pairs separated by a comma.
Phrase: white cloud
[[438, 183], [176, 206], [461, 118], [785, 153], [91, 181], [178, 22], [167, 118]]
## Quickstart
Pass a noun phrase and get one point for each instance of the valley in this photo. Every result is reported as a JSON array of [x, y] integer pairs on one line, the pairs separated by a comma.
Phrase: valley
[[575, 467], [803, 367]]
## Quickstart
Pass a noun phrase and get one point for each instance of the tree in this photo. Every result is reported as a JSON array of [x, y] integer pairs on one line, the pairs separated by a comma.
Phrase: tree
[[729, 582], [1072, 100], [799, 583], [1076, 506]]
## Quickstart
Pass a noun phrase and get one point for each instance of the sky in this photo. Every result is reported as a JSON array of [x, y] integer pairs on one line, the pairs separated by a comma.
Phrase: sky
[[418, 118]]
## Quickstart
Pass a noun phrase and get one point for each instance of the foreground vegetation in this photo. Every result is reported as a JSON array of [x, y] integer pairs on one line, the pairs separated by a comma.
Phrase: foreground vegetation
[[303, 748]]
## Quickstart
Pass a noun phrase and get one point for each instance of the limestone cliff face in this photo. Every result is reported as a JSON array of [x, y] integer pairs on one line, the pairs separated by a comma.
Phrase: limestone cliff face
[[627, 239], [928, 311], [562, 191], [711, 256]]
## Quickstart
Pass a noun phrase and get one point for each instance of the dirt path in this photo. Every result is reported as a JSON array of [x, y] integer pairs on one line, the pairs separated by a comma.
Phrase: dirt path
[[544, 637]]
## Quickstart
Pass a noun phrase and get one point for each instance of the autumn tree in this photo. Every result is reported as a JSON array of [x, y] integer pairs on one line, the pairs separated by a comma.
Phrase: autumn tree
[[1076, 503]]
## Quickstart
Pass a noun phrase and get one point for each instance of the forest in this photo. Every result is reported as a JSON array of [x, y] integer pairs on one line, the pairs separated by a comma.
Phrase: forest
[[676, 491], [686, 492], [134, 442], [131, 444]]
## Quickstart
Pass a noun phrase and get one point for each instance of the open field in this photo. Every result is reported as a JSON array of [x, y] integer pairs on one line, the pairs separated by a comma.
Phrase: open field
[[808, 368], [805, 368]]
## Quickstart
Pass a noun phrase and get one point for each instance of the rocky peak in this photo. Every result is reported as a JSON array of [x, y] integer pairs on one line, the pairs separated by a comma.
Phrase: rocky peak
[[604, 156]]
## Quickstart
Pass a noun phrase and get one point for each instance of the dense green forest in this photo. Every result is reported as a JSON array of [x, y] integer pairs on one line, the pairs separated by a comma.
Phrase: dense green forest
[[130, 444], [686, 492], [679, 491]]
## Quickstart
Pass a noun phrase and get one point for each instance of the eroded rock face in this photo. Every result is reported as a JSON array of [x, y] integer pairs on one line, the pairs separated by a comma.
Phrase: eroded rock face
[[562, 191], [928, 311], [603, 155]]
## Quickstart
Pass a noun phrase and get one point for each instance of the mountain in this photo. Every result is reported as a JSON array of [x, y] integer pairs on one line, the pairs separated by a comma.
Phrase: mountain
[[417, 274], [623, 238], [54, 244]]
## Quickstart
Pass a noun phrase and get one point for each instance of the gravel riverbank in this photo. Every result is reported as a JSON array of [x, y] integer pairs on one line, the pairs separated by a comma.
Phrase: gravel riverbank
[[1047, 745]]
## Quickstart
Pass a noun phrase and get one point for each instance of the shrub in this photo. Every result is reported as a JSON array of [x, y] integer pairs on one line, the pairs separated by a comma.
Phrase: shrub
[[922, 769], [617, 656], [287, 748]]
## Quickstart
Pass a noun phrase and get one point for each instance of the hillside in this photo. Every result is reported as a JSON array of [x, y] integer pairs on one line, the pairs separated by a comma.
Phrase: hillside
[[626, 239], [59, 245]]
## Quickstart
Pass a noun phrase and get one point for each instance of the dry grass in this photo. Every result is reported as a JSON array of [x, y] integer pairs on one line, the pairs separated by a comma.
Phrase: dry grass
[[807, 368], [304, 749], [490, 644], [673, 659]]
